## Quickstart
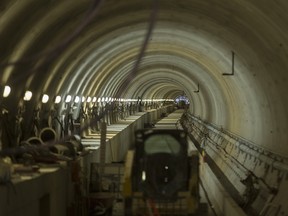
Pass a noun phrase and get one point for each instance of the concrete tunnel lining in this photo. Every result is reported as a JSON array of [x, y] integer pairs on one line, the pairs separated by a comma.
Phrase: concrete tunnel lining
[[254, 99]]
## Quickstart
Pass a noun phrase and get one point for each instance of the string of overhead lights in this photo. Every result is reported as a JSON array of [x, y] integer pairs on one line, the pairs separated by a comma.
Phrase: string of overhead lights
[[69, 98]]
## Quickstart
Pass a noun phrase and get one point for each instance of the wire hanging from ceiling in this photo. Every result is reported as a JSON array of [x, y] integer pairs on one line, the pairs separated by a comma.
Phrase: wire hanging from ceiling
[[131, 75]]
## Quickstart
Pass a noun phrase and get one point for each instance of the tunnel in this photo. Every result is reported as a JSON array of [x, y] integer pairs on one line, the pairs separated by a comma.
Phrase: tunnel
[[227, 58]]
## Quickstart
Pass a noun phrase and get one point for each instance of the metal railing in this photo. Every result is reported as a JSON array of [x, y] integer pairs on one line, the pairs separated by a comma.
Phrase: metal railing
[[220, 138], [241, 161]]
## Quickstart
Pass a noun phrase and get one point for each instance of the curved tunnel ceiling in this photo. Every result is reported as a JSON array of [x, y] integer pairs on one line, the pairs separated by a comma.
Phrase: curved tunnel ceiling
[[53, 47]]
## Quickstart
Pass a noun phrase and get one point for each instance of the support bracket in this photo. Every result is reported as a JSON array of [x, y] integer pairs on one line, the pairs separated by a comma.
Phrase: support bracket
[[232, 73]]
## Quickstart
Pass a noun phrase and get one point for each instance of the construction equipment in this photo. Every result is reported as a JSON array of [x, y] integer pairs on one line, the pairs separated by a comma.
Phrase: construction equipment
[[160, 178]]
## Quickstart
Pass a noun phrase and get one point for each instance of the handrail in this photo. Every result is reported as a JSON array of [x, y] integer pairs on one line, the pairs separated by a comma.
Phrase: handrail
[[203, 131], [278, 161]]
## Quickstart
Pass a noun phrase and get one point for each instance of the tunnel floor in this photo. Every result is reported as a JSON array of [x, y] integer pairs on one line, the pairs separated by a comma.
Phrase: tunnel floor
[[206, 209]]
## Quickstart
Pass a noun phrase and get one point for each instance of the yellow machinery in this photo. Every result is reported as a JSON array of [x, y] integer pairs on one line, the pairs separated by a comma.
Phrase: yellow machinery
[[160, 178]]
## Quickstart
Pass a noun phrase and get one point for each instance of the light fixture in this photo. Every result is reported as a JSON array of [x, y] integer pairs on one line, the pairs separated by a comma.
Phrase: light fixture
[[99, 100], [106, 99], [143, 175], [94, 99], [57, 99], [103, 99], [6, 91], [45, 98], [89, 99], [27, 96], [83, 99], [68, 99], [77, 99]]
